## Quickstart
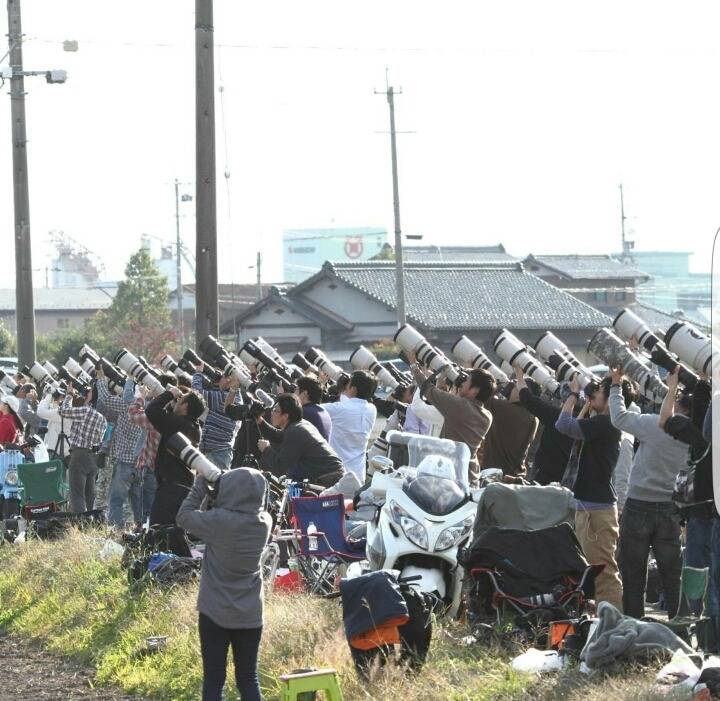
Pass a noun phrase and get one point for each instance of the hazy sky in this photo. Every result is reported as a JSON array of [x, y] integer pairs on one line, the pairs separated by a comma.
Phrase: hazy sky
[[526, 116]]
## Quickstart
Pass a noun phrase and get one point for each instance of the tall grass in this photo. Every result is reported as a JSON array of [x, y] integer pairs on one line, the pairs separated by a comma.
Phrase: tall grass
[[65, 596]]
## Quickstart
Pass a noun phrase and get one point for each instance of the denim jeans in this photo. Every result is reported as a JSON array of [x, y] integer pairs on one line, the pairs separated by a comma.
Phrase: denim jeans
[[222, 457], [214, 644], [149, 487], [698, 540], [644, 525], [126, 483]]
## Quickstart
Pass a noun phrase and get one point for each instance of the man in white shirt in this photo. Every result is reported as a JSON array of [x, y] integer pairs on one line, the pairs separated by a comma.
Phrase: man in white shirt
[[353, 418]]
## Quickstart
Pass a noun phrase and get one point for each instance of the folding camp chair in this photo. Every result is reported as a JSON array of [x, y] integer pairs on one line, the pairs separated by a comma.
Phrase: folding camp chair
[[321, 555], [539, 575], [44, 487]]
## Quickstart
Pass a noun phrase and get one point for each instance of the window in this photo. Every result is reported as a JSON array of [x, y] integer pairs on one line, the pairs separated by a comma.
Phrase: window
[[63, 322]]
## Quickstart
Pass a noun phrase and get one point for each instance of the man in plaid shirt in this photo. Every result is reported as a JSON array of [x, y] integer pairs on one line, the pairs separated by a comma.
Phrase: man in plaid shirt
[[127, 440], [86, 433], [146, 459]]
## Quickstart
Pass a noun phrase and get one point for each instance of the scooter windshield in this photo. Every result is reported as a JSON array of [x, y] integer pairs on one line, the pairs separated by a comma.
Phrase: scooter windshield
[[435, 495]]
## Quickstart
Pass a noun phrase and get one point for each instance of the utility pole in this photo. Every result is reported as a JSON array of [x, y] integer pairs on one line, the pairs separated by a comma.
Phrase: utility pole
[[399, 272], [258, 269], [178, 268], [25, 308], [627, 245], [206, 300]]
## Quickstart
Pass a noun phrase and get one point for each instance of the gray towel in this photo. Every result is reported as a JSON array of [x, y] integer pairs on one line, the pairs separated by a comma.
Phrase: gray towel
[[622, 637]]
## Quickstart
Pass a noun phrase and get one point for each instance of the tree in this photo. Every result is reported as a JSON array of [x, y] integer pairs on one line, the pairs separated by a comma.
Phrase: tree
[[7, 341], [57, 346], [142, 297], [139, 317]]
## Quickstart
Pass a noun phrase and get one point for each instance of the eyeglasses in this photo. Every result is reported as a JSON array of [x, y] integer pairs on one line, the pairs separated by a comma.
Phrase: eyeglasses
[[276, 410]]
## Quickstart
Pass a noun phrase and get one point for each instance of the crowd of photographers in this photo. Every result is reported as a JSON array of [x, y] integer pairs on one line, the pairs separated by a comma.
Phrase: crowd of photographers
[[641, 478]]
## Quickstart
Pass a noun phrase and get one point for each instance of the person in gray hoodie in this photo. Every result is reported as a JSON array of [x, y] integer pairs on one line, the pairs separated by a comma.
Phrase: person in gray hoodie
[[650, 518], [230, 602]]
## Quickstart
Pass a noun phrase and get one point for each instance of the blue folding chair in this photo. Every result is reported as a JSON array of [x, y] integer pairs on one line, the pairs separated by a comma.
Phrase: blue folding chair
[[321, 555]]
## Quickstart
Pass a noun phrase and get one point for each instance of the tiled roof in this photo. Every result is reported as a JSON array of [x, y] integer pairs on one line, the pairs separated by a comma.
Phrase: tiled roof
[[60, 298], [658, 320], [297, 305], [470, 295], [431, 254], [587, 267]]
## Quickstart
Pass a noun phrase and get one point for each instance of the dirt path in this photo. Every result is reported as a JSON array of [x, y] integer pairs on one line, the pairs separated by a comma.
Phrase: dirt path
[[26, 672]]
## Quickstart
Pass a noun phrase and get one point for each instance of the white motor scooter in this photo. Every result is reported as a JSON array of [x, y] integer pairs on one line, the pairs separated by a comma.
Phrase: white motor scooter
[[427, 513]]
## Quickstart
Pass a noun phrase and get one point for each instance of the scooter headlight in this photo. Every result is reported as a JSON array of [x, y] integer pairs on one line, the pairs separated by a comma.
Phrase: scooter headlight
[[11, 477], [454, 534], [411, 527]]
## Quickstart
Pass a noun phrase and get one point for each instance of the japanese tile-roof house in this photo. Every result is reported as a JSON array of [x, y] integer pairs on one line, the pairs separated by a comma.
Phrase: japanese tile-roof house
[[59, 307], [599, 280], [347, 304]]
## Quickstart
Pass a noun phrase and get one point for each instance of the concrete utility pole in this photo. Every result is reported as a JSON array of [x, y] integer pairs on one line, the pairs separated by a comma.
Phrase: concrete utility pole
[[206, 299], [25, 308], [178, 268], [399, 271]]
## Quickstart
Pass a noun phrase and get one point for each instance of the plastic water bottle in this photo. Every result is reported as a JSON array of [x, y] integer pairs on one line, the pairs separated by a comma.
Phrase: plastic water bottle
[[312, 537]]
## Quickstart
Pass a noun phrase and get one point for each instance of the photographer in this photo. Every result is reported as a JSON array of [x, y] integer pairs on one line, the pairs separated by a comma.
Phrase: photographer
[[298, 450], [465, 418], [701, 528], [219, 429], [596, 516], [650, 518], [11, 425], [353, 418], [230, 600], [27, 394], [86, 434], [49, 410], [125, 446], [512, 431], [309, 392], [553, 451], [173, 412]]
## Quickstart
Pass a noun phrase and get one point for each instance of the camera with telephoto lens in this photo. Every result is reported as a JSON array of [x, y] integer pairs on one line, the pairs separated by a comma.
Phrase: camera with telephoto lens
[[44, 381], [514, 351], [320, 360], [255, 404], [563, 361], [691, 345], [629, 325], [363, 359], [75, 369], [167, 362], [412, 341], [127, 362], [251, 353], [293, 373], [614, 352], [470, 355], [230, 364], [304, 364], [79, 384], [190, 361], [180, 446], [7, 382]]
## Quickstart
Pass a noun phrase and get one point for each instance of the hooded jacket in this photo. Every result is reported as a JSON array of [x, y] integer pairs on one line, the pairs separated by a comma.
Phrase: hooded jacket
[[235, 532]]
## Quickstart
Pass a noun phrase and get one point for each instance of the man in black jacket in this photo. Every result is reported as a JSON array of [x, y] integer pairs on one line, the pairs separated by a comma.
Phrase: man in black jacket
[[173, 412], [553, 452], [298, 450]]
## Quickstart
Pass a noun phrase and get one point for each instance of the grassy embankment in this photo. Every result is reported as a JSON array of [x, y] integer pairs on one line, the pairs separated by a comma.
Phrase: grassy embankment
[[65, 597]]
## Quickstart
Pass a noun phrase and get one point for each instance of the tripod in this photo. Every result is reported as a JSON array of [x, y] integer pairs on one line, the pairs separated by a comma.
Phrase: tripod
[[62, 444]]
